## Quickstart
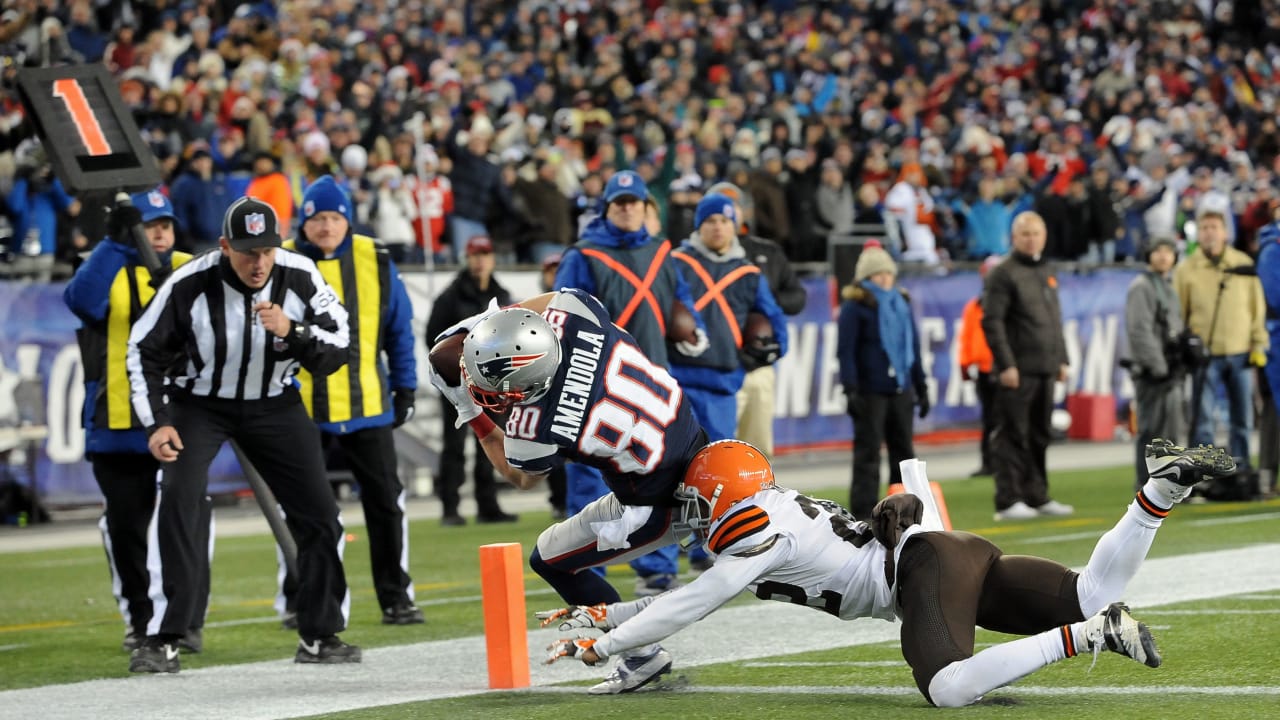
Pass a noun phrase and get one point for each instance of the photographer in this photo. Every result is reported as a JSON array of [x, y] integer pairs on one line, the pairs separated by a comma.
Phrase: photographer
[[1153, 321]]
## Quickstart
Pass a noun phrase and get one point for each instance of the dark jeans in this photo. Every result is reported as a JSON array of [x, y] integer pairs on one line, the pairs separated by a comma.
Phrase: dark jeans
[[986, 387], [1160, 410], [1021, 440], [453, 466], [1234, 372], [878, 419]]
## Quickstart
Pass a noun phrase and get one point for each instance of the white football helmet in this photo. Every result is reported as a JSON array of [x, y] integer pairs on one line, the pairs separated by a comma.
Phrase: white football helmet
[[510, 358]]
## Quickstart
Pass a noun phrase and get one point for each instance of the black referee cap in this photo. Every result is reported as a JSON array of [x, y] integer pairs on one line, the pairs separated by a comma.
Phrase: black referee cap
[[251, 223]]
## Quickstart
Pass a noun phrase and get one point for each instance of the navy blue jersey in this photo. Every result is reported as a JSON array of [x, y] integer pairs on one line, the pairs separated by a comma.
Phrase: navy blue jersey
[[609, 407]]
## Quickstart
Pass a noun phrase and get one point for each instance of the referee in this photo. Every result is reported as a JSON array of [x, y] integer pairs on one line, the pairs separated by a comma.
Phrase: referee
[[213, 359]]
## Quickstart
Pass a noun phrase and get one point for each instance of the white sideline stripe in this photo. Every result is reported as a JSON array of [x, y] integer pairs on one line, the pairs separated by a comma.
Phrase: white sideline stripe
[[279, 689], [890, 690], [1234, 520], [851, 663], [1211, 612], [18, 646]]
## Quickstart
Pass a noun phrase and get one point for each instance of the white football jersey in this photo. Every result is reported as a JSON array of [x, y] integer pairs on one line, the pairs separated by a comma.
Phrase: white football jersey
[[779, 545]]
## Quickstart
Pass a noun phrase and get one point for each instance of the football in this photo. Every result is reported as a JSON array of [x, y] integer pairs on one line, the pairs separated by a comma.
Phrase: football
[[444, 358], [681, 324], [757, 330]]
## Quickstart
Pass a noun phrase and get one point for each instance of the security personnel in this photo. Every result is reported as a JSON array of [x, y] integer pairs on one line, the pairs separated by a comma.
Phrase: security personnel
[[108, 293], [213, 359], [756, 398], [360, 404], [629, 269], [726, 286]]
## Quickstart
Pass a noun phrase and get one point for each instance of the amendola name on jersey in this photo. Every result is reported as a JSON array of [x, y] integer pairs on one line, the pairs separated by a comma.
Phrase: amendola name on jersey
[[778, 545], [609, 407]]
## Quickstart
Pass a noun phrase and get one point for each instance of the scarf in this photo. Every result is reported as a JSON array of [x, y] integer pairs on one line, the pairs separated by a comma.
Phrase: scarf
[[895, 331]]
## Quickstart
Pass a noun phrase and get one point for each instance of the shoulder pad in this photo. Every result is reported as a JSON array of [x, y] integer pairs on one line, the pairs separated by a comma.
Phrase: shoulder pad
[[736, 526]]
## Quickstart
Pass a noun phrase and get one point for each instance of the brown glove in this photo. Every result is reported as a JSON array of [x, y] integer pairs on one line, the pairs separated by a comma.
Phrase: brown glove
[[894, 514]]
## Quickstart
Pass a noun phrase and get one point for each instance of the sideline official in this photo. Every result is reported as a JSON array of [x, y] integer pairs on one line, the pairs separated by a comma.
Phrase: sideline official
[[108, 293], [373, 393], [213, 359]]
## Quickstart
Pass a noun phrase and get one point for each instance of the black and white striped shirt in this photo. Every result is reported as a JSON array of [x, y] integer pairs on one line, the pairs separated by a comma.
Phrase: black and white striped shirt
[[201, 335]]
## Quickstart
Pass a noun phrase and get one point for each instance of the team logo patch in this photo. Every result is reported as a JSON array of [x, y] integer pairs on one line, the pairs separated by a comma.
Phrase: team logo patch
[[500, 368], [255, 223], [155, 199], [309, 208], [624, 180]]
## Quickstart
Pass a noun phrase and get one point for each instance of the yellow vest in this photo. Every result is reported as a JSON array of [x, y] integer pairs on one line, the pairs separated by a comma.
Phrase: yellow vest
[[359, 389], [130, 294]]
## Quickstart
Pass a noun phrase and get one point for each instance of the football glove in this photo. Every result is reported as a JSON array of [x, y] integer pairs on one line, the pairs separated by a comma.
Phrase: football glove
[[1258, 358], [893, 515], [465, 325], [766, 353], [571, 648], [458, 396], [578, 616], [402, 400], [697, 347]]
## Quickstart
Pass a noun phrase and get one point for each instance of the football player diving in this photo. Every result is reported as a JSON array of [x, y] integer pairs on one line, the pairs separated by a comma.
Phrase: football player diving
[[781, 545], [576, 387]]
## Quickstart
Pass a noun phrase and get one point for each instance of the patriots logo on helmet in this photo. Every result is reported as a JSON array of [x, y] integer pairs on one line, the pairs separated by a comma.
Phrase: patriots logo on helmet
[[500, 368]]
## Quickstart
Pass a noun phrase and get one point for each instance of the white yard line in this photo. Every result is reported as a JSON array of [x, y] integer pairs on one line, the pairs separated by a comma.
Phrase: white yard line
[[895, 690], [452, 668]]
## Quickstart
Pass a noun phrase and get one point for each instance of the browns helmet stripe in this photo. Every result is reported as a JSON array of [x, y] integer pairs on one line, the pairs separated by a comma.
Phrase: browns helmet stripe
[[737, 525]]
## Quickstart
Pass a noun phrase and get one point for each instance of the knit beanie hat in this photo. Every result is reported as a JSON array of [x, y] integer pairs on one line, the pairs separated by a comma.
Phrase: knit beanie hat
[[873, 260], [325, 194], [714, 204]]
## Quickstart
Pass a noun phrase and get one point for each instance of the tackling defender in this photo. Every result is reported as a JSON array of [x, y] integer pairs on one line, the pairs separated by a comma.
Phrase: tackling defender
[[781, 545]]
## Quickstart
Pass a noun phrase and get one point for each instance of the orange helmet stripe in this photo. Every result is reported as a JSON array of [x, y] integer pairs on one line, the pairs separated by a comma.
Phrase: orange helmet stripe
[[737, 525]]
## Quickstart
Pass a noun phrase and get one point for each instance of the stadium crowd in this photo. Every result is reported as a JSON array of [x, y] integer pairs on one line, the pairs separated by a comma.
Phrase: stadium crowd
[[1114, 119]]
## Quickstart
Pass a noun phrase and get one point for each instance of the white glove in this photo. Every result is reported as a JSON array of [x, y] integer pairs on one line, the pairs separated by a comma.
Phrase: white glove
[[458, 396], [466, 324], [577, 617], [699, 345], [570, 647]]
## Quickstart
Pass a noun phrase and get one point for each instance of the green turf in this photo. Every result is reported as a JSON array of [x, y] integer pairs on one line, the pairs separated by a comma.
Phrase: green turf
[[59, 623]]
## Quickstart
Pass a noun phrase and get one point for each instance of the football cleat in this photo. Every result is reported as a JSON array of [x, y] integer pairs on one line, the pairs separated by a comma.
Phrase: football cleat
[[633, 673], [192, 641], [403, 614], [1114, 629], [326, 651], [154, 656], [1178, 469], [132, 640]]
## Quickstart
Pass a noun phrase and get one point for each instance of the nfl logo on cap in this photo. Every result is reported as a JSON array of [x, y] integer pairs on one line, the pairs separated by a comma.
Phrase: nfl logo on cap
[[155, 198], [309, 209], [255, 223], [624, 180]]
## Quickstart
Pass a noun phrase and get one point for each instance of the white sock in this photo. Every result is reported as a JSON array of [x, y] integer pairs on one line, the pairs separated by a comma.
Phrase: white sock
[[1160, 495], [964, 682], [1116, 558]]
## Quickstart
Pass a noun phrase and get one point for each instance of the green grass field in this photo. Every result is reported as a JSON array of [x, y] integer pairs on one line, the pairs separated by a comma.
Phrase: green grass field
[[59, 624]]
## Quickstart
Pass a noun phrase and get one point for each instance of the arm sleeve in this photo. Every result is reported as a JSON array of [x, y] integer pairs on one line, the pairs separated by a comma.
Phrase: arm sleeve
[[323, 348], [574, 272], [1269, 268], [88, 294], [673, 611], [766, 304], [1258, 337], [847, 343], [402, 365], [995, 308], [684, 295]]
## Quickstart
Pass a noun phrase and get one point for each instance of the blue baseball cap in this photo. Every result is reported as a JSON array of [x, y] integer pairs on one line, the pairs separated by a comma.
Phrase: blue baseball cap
[[626, 182], [153, 205]]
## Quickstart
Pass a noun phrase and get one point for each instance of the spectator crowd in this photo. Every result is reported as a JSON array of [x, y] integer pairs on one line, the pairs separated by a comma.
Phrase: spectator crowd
[[1115, 120]]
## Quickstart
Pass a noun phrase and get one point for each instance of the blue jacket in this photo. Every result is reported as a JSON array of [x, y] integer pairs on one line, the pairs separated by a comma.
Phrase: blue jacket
[[396, 333], [864, 364], [88, 295], [1269, 277], [200, 205], [37, 211]]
